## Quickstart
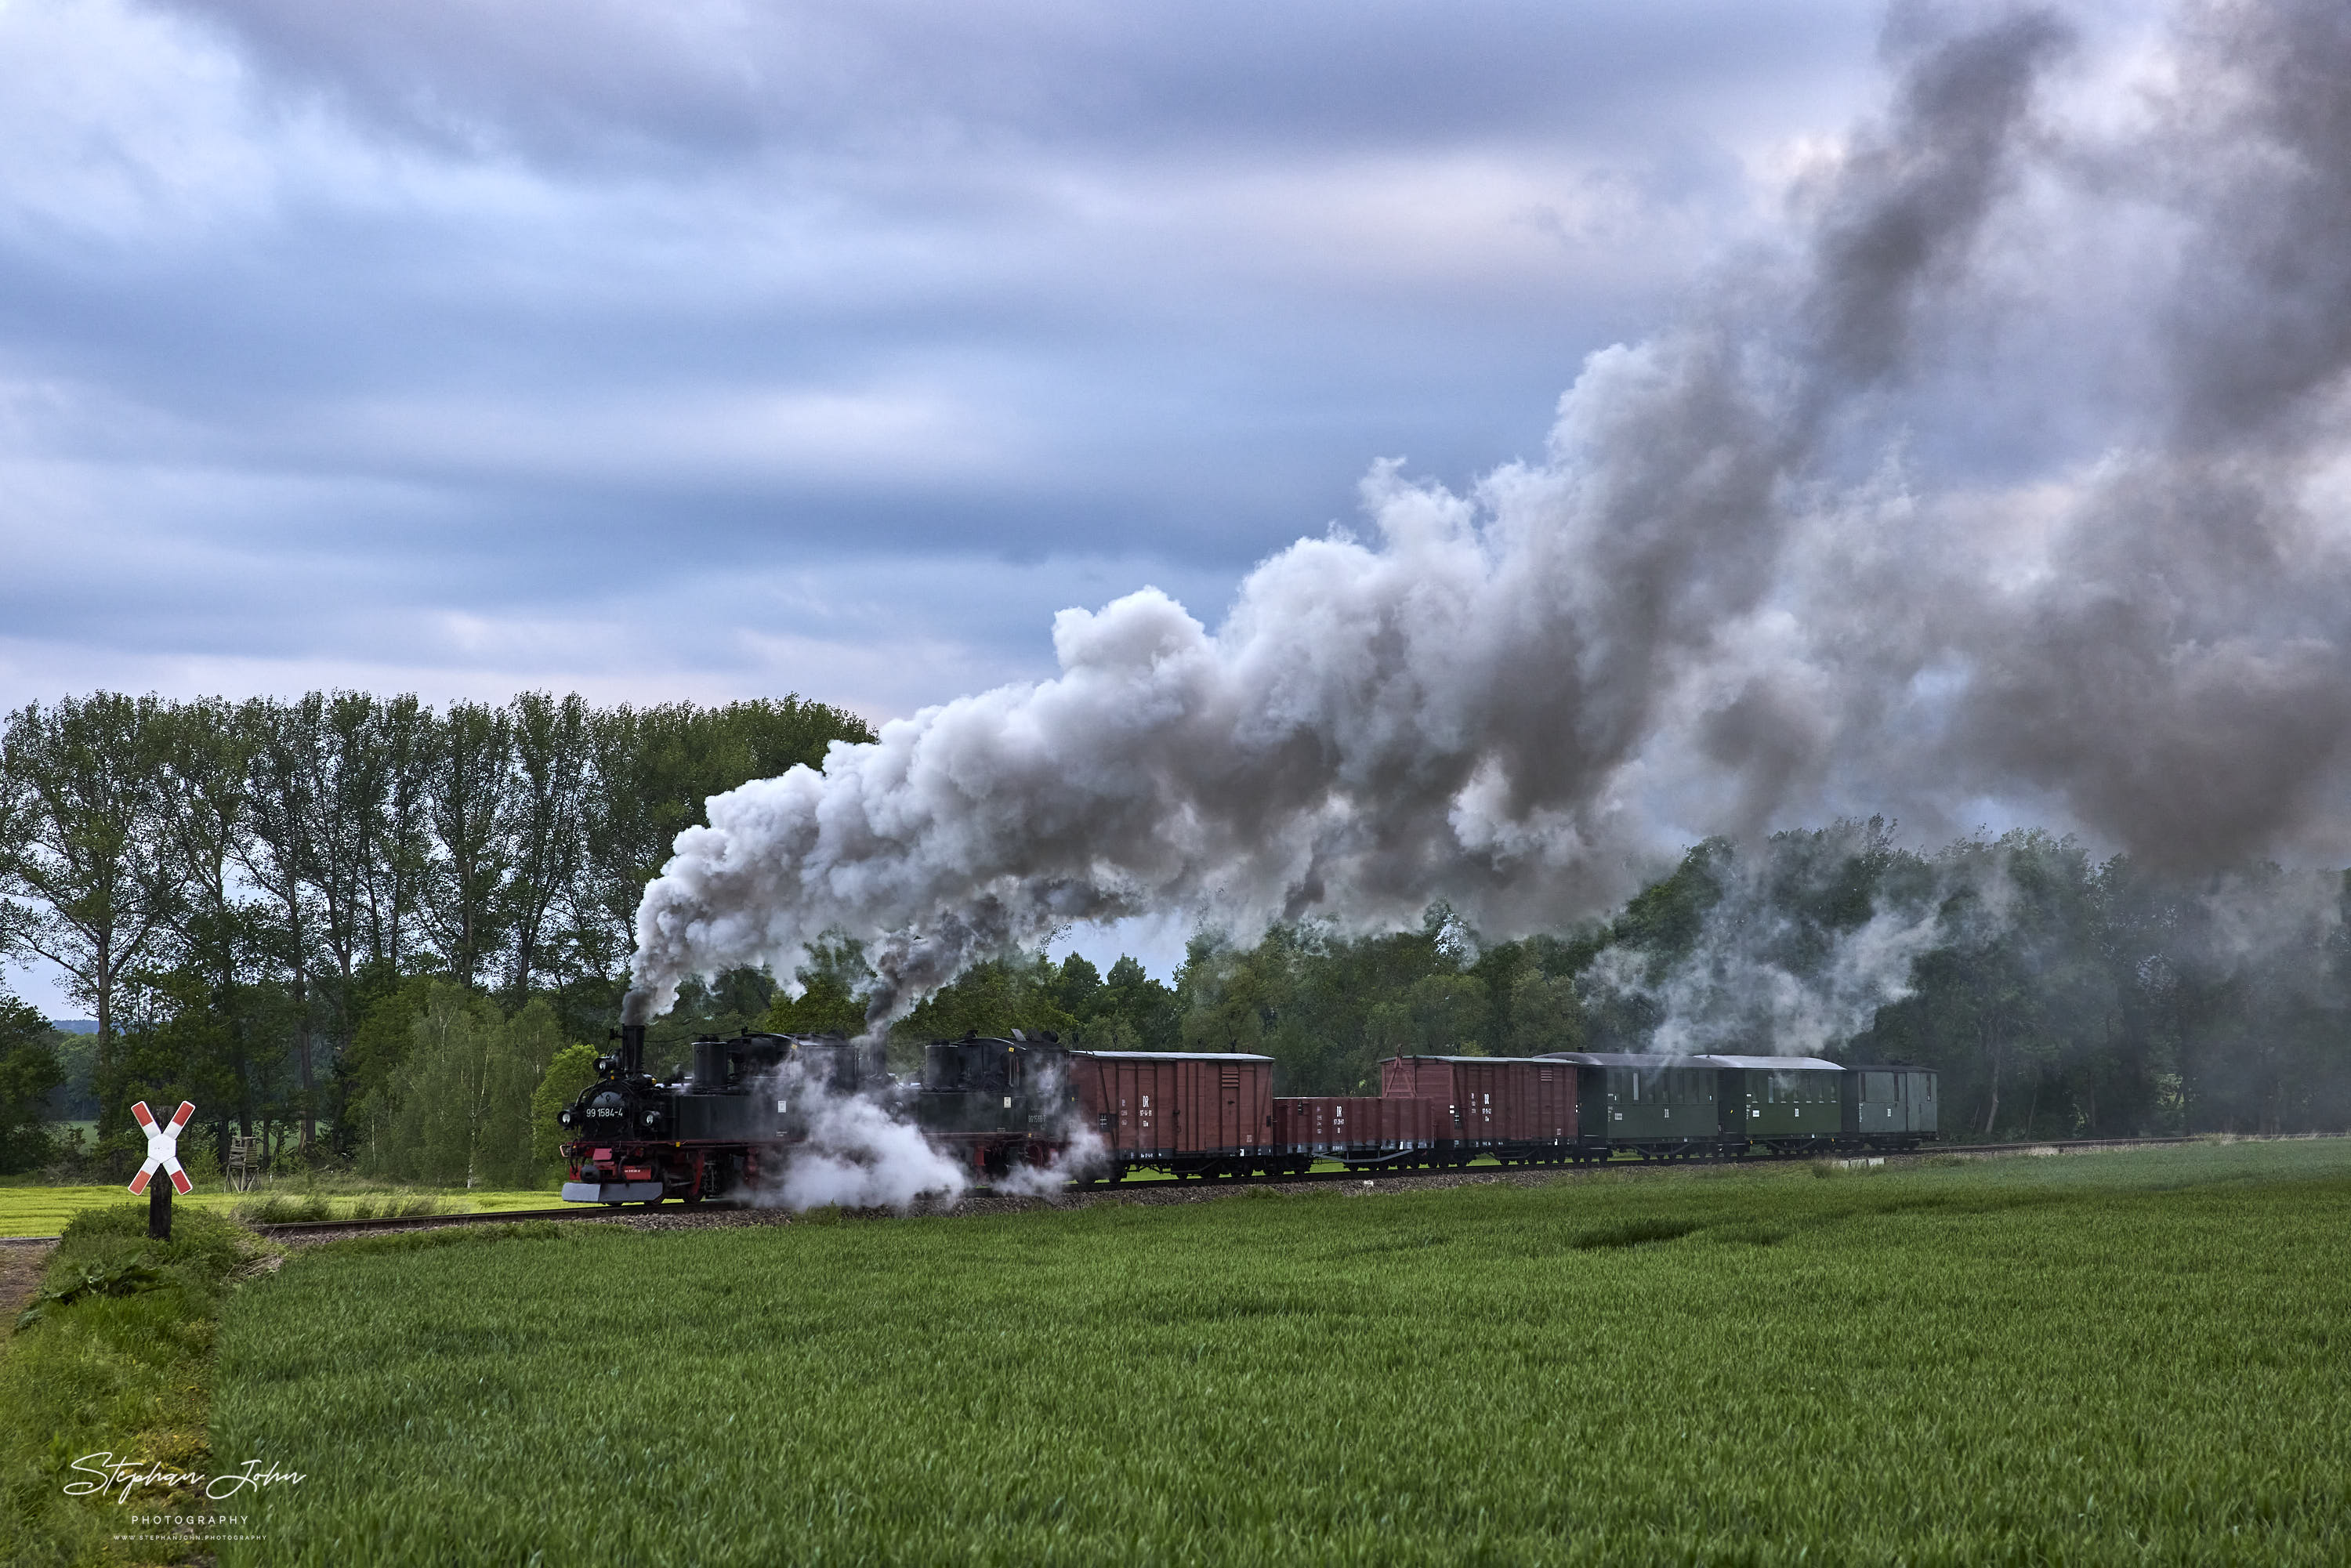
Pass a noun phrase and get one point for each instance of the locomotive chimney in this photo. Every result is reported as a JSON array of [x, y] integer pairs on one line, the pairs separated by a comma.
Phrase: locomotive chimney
[[635, 1006]]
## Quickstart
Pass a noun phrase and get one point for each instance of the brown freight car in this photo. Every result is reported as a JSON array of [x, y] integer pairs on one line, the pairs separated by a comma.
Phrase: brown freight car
[[1357, 1129], [1519, 1110], [1190, 1113]]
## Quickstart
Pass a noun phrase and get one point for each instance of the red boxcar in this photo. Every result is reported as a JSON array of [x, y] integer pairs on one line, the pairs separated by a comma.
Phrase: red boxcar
[[1514, 1108], [1361, 1129], [1191, 1113]]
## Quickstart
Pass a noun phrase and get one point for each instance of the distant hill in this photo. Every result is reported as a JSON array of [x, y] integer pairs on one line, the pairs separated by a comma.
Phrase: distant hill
[[74, 1026]]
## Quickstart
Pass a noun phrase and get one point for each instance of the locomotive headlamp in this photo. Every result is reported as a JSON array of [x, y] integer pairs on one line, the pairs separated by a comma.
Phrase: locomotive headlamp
[[652, 1121], [563, 1117]]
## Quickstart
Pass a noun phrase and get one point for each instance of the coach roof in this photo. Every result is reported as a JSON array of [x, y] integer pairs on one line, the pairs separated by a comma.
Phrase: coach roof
[[1646, 1061], [1174, 1055]]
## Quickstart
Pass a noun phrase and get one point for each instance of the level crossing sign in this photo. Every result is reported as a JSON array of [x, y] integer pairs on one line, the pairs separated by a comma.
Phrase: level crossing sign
[[162, 1146]]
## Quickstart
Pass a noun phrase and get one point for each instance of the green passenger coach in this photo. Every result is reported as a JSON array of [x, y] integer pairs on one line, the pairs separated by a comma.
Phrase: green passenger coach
[[1783, 1104], [1889, 1106], [1663, 1107]]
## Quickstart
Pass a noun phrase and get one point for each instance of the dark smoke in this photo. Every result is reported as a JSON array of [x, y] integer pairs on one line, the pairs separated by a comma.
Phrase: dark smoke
[[1759, 577]]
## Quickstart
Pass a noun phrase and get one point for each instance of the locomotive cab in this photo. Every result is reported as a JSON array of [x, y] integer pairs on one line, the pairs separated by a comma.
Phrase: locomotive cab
[[1003, 1103]]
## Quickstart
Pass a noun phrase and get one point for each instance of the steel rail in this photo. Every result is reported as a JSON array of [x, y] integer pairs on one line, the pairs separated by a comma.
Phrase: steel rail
[[323, 1229]]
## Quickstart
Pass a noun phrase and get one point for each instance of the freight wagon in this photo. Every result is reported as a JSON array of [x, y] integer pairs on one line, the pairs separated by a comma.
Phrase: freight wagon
[[1189, 1113], [1516, 1110], [1359, 1131]]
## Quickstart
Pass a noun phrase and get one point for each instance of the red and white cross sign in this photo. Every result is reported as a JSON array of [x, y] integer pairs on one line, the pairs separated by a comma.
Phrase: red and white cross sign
[[162, 1146]]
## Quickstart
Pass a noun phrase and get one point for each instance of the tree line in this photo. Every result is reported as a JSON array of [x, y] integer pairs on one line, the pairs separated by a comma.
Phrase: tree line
[[380, 932], [234, 888]]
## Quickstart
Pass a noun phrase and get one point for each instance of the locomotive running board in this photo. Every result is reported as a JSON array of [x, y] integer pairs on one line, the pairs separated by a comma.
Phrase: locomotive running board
[[612, 1191]]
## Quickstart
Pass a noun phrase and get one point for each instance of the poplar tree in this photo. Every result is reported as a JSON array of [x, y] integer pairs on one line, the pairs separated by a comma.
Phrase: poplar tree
[[93, 870]]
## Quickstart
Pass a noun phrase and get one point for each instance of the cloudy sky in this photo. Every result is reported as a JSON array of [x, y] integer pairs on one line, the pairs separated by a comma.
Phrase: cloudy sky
[[727, 347]]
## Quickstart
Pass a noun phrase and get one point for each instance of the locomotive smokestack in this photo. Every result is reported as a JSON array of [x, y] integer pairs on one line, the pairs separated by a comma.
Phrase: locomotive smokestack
[[636, 1008]]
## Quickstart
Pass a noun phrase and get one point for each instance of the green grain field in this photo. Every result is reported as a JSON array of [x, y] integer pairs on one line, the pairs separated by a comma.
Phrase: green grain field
[[2107, 1358]]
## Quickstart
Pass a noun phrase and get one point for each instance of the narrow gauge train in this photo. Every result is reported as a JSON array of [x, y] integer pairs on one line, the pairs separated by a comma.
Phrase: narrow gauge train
[[734, 1119]]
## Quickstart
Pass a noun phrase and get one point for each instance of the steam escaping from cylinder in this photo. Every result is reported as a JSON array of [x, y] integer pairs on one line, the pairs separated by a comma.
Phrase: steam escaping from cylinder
[[857, 1153], [2018, 482]]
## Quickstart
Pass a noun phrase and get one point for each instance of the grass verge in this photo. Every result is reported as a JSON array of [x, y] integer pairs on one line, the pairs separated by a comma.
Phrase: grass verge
[[47, 1210], [113, 1359], [2115, 1358]]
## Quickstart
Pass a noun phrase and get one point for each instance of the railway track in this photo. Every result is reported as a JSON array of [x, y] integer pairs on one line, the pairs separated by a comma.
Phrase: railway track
[[321, 1229]]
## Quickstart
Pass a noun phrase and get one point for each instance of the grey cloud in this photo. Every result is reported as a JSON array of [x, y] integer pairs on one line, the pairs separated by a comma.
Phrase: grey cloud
[[564, 80]]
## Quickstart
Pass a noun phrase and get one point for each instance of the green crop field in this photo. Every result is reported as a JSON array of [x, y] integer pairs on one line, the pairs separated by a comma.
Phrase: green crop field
[[2106, 1358]]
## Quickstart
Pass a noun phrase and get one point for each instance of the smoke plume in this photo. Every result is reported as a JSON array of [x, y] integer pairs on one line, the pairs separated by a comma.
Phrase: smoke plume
[[1804, 941], [2014, 483]]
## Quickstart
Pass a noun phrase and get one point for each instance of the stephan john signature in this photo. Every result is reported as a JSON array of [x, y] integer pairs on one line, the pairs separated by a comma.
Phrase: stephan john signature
[[132, 1474]]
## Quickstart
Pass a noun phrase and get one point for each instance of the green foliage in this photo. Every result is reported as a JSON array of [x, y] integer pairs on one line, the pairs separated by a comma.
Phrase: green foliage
[[832, 998], [1328, 1008], [459, 1111], [1128, 1012], [991, 998], [2107, 1359], [91, 876], [246, 894], [29, 1073], [1443, 1014], [573, 1069], [378, 1049], [1546, 1014]]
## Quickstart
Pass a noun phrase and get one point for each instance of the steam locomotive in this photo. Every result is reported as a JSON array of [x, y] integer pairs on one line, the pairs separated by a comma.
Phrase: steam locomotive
[[718, 1127], [733, 1119]]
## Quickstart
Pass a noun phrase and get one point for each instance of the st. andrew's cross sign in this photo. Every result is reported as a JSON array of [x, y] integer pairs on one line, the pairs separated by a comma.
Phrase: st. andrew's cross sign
[[162, 1146], [163, 1153]]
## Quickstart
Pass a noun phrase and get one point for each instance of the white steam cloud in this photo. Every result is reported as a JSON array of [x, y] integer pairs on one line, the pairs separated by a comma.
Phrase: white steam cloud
[[857, 1154], [1748, 583]]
